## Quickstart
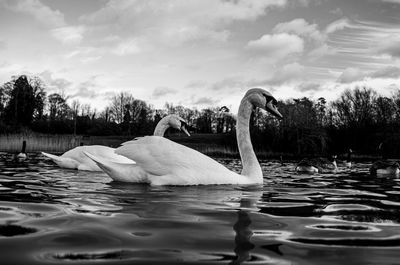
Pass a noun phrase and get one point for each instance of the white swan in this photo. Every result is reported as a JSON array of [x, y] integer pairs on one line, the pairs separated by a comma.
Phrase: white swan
[[164, 162], [76, 158]]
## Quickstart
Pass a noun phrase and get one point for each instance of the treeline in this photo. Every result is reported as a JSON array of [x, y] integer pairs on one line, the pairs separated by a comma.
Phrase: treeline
[[359, 119]]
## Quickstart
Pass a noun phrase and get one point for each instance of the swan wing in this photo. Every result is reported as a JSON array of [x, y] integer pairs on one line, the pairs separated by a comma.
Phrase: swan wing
[[124, 172], [170, 163]]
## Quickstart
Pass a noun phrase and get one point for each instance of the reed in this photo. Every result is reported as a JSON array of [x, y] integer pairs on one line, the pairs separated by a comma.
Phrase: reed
[[38, 142], [209, 144]]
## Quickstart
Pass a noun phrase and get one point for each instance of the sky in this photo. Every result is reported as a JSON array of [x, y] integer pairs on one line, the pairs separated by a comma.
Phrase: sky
[[201, 53]]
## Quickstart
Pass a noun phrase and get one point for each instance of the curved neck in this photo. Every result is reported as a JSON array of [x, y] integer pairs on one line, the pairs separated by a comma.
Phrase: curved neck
[[161, 127], [23, 147], [251, 167]]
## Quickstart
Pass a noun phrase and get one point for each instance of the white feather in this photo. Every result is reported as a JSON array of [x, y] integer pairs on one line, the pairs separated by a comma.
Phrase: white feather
[[76, 159], [169, 163]]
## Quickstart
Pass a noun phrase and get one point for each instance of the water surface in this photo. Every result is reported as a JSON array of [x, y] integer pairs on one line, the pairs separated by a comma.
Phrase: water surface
[[50, 215]]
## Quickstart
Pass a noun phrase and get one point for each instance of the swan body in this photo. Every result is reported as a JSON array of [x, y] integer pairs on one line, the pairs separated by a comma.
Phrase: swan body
[[130, 172], [76, 159], [385, 167], [348, 162], [316, 165], [22, 156], [168, 163]]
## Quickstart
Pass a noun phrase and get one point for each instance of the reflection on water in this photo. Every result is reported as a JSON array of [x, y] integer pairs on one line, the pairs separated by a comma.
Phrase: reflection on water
[[51, 215]]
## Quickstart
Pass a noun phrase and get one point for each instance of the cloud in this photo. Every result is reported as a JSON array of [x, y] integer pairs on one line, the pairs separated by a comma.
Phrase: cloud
[[309, 86], [54, 83], [69, 34], [172, 23], [337, 25], [387, 72], [337, 12], [160, 92], [300, 27], [130, 46], [392, 1], [85, 92], [277, 45], [88, 89], [35, 8], [287, 73], [314, 40], [390, 46], [350, 75], [228, 84], [3, 45], [206, 101], [196, 84]]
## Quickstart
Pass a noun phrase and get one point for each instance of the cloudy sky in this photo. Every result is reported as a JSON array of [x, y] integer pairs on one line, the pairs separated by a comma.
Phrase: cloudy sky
[[201, 52]]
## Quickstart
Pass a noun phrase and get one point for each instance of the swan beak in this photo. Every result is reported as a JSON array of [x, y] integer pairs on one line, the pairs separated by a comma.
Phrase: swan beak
[[183, 128], [271, 108]]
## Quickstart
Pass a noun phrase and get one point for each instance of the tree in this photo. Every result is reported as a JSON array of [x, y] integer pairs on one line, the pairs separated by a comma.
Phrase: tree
[[58, 107], [75, 107], [385, 110], [118, 104], [25, 100], [355, 107]]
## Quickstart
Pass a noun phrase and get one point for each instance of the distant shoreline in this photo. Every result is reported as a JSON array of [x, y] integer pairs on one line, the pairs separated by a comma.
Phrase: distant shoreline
[[216, 145]]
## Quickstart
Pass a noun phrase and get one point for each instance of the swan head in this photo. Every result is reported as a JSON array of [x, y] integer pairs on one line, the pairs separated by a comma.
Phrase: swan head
[[264, 100], [178, 123]]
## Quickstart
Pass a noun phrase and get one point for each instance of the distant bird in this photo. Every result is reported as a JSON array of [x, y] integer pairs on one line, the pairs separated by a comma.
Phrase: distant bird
[[22, 155], [348, 162], [384, 166], [164, 162], [317, 165], [76, 158], [281, 160]]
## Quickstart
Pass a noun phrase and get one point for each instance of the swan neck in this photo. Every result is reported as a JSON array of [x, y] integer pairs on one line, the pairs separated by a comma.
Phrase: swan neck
[[161, 127], [251, 167]]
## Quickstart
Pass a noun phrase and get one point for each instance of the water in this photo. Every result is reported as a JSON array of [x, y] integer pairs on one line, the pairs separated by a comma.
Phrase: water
[[50, 215]]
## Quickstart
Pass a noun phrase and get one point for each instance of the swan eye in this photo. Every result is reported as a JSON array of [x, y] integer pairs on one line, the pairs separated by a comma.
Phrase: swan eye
[[271, 99], [184, 124]]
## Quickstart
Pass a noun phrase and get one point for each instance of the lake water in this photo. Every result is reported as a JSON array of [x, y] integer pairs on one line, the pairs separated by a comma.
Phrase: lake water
[[50, 215]]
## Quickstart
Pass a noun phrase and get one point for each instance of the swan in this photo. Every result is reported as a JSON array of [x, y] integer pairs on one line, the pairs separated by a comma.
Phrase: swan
[[76, 158], [384, 166], [22, 155], [164, 162], [346, 163], [317, 165]]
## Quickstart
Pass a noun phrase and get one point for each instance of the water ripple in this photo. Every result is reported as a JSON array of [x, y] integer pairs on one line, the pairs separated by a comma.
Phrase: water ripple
[[52, 215]]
